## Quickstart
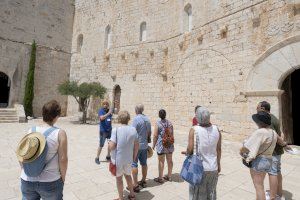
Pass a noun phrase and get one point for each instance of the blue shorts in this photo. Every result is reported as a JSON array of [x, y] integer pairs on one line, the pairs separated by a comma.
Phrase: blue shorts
[[103, 136], [276, 165], [261, 164], [142, 157], [45, 190]]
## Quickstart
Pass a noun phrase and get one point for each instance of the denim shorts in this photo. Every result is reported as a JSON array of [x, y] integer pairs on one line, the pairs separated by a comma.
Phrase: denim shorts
[[45, 190], [261, 164], [103, 136], [276, 165], [142, 157]]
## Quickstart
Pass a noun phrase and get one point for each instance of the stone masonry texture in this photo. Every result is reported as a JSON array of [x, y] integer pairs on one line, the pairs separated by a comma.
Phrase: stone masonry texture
[[50, 24], [218, 64]]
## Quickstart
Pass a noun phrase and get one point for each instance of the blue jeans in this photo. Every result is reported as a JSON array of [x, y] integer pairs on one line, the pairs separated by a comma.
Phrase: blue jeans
[[45, 190]]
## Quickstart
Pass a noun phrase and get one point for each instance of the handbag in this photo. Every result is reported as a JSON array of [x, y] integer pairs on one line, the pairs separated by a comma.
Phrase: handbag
[[192, 168], [249, 164], [112, 166]]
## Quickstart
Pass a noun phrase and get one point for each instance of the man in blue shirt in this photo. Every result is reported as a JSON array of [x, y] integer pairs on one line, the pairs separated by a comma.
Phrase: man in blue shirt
[[143, 127], [105, 116]]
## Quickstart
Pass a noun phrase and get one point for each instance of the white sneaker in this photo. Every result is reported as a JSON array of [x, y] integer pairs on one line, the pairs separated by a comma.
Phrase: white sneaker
[[267, 195], [280, 197]]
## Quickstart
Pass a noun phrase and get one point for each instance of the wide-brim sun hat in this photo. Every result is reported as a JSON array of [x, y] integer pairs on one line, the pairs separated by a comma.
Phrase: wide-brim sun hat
[[262, 117], [149, 152], [30, 147]]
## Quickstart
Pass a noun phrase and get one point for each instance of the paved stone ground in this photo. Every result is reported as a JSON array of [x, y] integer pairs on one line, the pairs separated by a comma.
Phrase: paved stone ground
[[86, 180]]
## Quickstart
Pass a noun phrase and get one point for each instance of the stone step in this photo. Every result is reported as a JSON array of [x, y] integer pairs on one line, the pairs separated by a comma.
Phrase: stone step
[[9, 121], [8, 115]]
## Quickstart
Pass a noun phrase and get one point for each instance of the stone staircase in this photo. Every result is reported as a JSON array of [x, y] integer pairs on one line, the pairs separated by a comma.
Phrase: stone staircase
[[8, 115]]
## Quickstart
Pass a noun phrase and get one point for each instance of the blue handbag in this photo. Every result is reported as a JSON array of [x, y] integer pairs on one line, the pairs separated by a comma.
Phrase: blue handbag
[[192, 169]]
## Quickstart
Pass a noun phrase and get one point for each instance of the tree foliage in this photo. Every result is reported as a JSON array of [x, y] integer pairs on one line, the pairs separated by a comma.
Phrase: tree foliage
[[82, 93], [29, 86]]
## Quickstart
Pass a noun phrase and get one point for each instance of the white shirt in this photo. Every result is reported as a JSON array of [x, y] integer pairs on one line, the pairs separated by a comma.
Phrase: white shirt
[[208, 138], [124, 137], [51, 172]]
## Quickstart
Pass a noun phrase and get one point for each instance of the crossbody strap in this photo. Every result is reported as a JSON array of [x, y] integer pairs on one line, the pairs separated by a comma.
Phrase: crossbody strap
[[116, 146], [196, 140], [268, 146]]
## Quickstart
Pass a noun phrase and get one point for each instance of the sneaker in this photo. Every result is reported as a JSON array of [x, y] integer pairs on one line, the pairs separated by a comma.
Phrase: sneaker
[[280, 197], [267, 195], [97, 161], [108, 158]]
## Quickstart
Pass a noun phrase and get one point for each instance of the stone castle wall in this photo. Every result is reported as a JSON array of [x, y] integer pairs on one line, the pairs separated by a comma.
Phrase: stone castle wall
[[50, 24], [176, 69]]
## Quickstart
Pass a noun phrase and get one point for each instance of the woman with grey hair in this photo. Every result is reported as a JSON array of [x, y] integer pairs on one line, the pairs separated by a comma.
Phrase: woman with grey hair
[[124, 145], [208, 140]]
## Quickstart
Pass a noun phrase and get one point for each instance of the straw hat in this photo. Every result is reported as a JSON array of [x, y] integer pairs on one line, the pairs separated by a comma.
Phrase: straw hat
[[30, 147], [149, 152]]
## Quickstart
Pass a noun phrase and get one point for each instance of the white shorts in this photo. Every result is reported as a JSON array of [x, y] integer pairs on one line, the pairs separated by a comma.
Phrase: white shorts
[[124, 170]]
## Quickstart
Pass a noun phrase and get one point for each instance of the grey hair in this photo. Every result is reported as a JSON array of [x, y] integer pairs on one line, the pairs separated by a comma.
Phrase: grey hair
[[203, 116], [139, 109]]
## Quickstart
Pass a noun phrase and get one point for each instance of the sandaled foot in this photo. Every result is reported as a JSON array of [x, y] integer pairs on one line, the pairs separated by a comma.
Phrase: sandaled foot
[[159, 180], [131, 197], [167, 178], [143, 184], [136, 189]]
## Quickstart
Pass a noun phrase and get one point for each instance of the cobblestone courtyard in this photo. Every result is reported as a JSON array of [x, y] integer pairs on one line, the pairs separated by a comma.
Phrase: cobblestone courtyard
[[86, 180]]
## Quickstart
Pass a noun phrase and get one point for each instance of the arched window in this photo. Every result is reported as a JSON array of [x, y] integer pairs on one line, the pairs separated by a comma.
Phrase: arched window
[[79, 43], [143, 31], [107, 41], [188, 17]]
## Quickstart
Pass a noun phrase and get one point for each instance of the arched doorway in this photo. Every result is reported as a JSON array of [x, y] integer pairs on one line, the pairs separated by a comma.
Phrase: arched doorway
[[117, 98], [291, 108], [275, 77], [4, 90]]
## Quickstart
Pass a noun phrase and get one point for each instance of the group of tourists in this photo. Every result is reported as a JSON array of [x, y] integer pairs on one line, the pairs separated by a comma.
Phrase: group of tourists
[[43, 156]]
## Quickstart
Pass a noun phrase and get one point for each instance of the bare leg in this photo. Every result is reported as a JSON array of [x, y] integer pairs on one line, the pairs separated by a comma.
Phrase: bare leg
[[129, 183], [135, 172], [99, 152], [273, 180], [144, 172], [161, 164], [170, 164], [108, 152], [279, 189], [258, 181], [120, 186]]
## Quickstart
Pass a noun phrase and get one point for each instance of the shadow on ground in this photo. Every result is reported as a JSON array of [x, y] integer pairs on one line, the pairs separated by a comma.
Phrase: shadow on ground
[[288, 195], [145, 195], [175, 178]]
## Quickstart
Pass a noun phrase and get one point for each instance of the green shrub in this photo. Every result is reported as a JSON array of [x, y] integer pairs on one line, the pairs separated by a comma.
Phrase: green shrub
[[29, 87]]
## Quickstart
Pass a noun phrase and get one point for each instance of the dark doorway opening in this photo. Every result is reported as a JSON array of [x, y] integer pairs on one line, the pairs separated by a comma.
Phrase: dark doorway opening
[[117, 99], [291, 108], [4, 90]]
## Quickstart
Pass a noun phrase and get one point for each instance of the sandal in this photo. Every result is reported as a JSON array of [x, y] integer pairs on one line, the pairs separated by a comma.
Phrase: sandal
[[167, 178], [131, 197], [136, 189], [159, 180], [142, 184]]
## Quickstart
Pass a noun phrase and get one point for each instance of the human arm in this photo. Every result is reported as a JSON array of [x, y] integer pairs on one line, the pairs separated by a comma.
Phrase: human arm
[[252, 145], [103, 115], [155, 136], [62, 153], [190, 147], [112, 144], [219, 151]]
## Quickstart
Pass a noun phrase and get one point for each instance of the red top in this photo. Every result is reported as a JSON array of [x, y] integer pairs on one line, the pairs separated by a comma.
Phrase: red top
[[195, 121]]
